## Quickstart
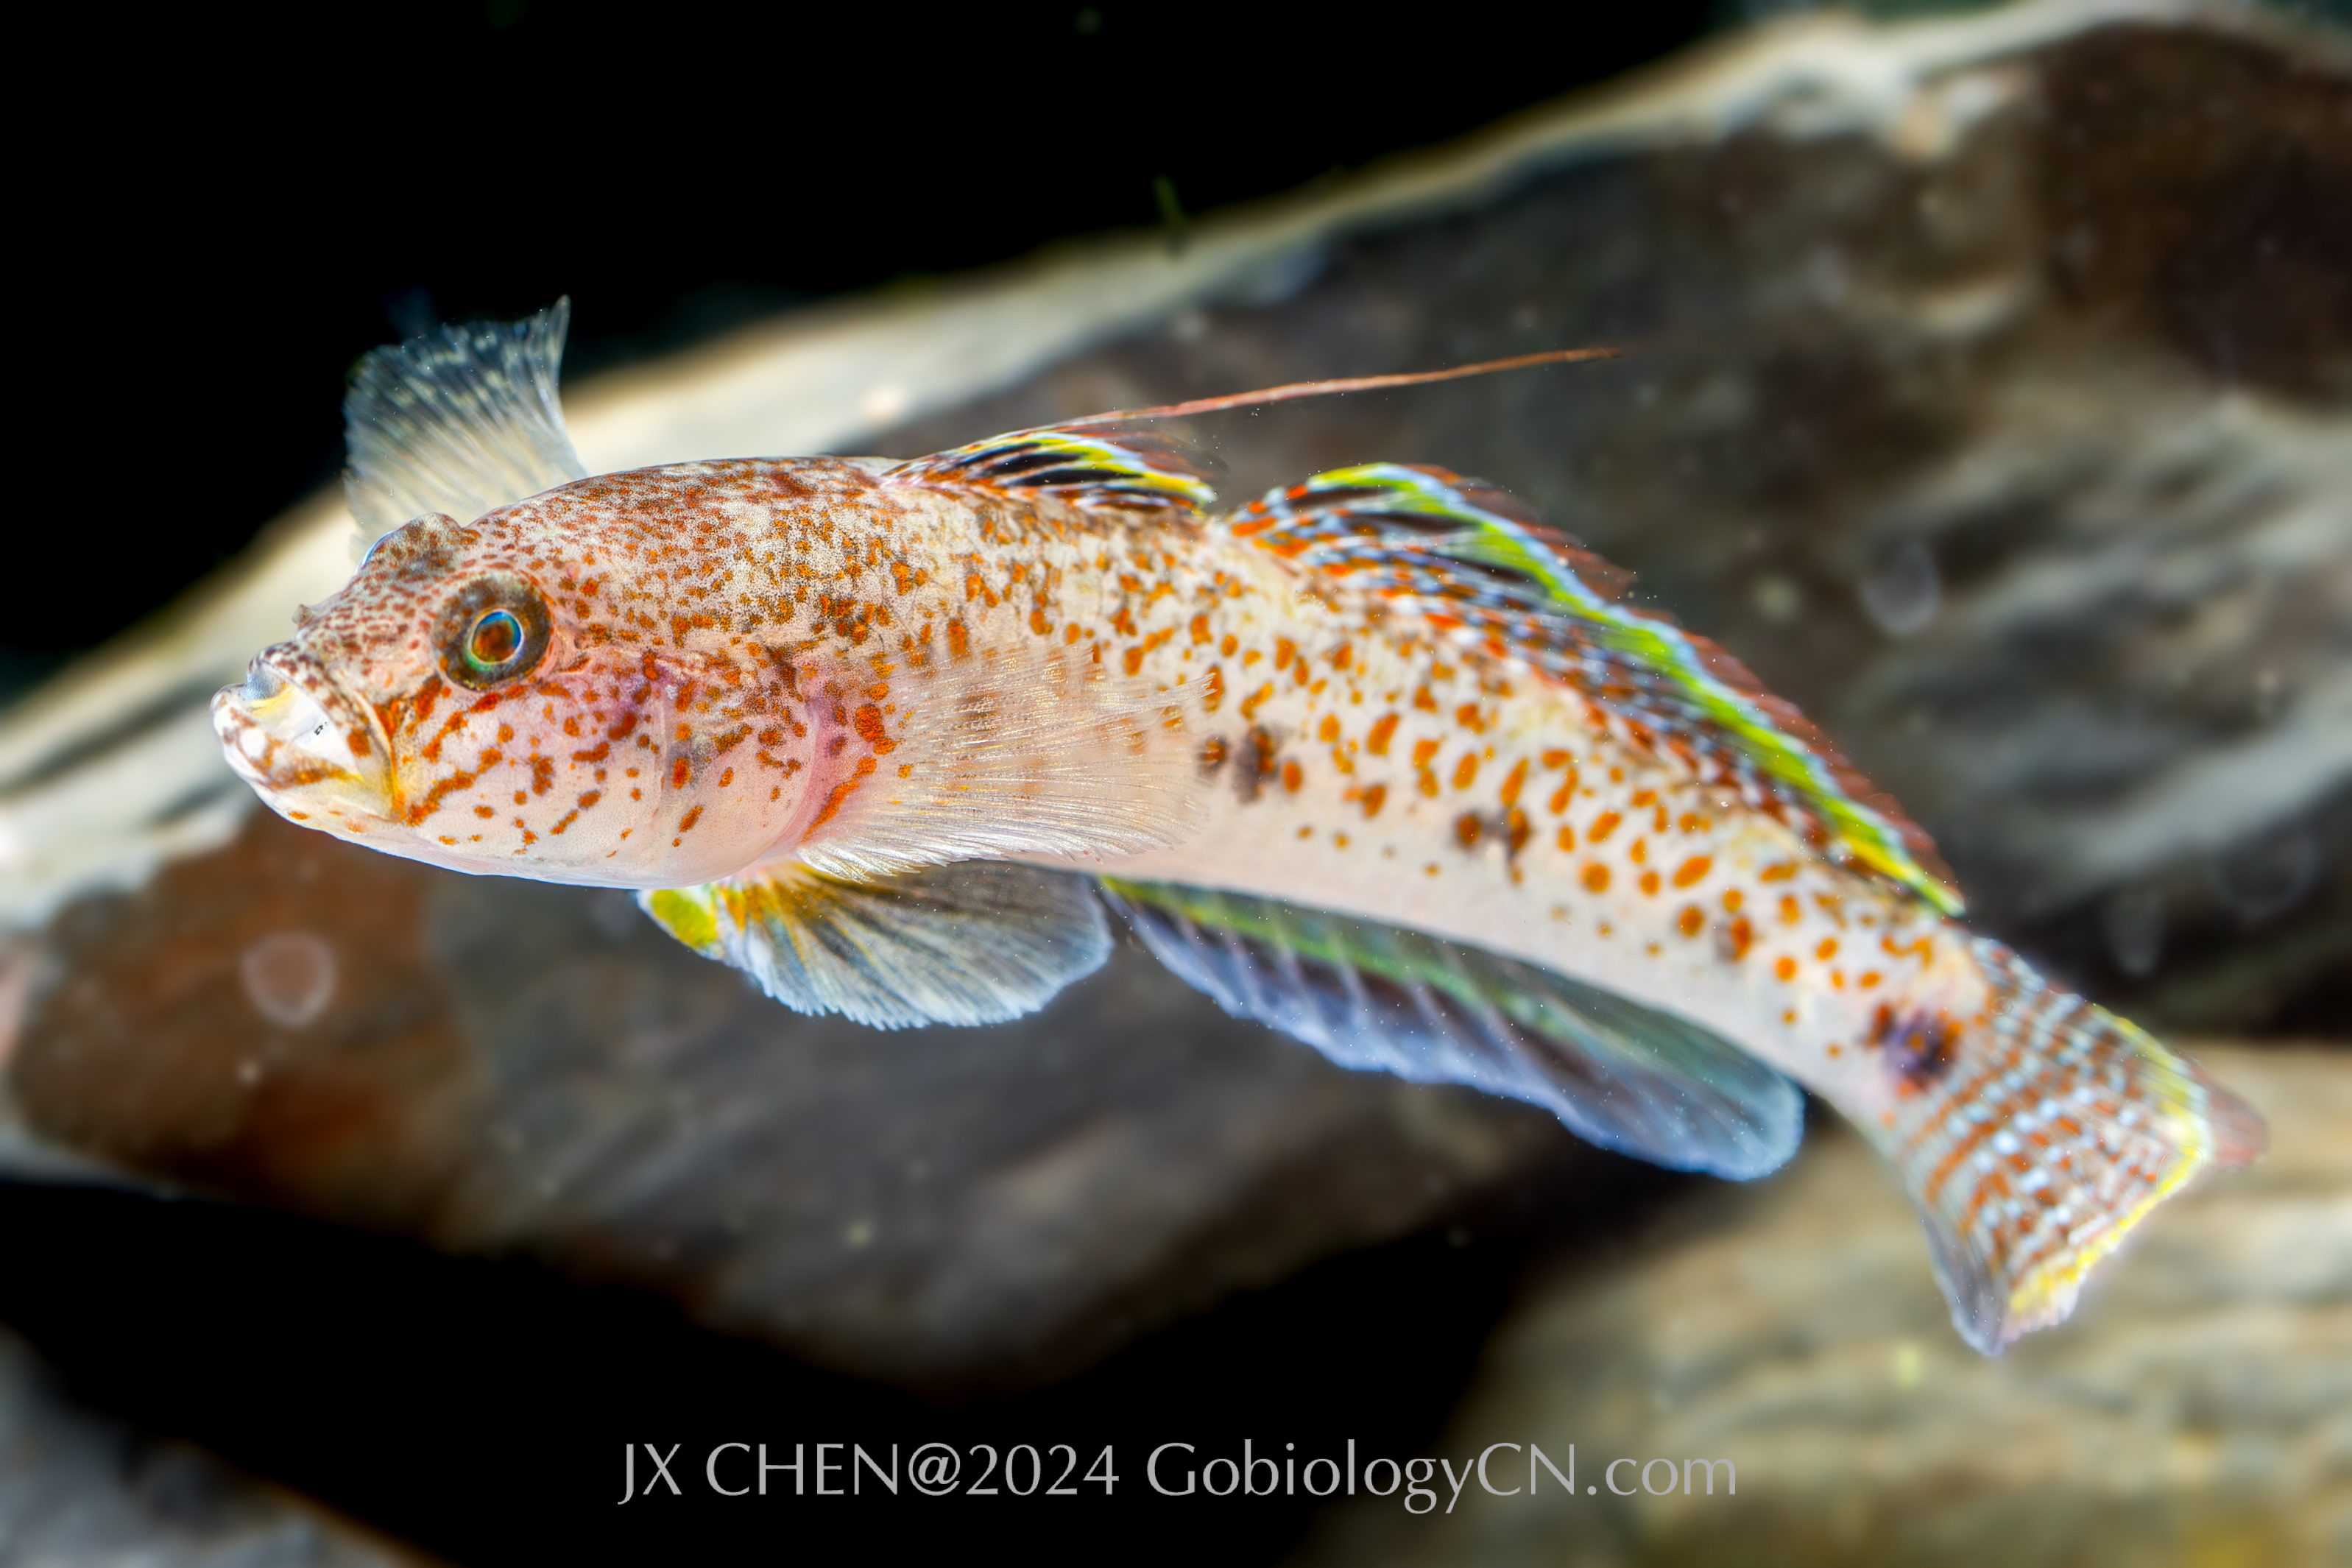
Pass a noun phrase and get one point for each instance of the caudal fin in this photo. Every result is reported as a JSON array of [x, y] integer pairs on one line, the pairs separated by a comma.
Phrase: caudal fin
[[2035, 1136]]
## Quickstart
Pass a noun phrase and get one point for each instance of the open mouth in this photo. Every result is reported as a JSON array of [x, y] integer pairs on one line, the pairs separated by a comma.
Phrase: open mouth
[[301, 743]]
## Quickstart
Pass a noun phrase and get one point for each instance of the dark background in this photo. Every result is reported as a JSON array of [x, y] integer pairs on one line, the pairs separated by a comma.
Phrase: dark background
[[215, 214], [222, 211]]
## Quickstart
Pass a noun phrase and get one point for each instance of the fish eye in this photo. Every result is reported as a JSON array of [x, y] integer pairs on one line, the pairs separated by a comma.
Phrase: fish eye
[[492, 631], [496, 638]]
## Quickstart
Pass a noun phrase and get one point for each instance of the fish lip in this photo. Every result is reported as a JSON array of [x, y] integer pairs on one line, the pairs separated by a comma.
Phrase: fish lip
[[286, 729]]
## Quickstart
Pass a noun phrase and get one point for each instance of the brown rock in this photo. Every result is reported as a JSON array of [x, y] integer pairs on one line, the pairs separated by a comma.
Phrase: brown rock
[[505, 1065]]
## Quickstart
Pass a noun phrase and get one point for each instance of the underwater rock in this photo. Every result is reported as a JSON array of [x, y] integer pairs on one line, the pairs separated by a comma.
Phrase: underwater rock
[[77, 1488], [2194, 1409]]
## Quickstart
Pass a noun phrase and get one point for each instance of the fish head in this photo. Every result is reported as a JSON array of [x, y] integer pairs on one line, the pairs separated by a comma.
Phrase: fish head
[[464, 701]]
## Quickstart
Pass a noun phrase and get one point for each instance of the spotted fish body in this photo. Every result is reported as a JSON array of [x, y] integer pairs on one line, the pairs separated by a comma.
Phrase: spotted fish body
[[1376, 759]]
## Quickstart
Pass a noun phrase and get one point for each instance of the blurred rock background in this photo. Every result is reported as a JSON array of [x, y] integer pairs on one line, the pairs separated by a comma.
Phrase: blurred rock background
[[1992, 399]]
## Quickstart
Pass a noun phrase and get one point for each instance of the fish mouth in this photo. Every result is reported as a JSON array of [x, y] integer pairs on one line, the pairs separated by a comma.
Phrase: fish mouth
[[306, 747]]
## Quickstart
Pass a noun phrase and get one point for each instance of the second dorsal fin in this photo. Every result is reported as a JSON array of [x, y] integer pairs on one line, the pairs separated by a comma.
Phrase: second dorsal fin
[[1480, 567]]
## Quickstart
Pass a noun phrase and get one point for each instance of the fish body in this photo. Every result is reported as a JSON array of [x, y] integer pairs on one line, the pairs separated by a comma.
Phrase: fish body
[[1376, 759]]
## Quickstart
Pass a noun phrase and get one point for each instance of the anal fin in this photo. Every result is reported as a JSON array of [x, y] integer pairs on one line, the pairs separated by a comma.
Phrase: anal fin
[[973, 942], [1382, 998]]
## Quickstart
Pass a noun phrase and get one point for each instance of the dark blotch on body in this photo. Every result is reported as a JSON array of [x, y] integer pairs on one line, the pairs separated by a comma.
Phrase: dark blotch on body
[[1921, 1046]]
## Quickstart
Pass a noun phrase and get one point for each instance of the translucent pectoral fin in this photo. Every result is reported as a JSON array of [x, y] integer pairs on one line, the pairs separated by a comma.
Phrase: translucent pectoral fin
[[1378, 997], [460, 421], [1031, 752], [974, 942]]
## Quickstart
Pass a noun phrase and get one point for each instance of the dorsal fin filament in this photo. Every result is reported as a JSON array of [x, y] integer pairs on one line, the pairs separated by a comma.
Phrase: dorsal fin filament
[[1079, 461], [1341, 385]]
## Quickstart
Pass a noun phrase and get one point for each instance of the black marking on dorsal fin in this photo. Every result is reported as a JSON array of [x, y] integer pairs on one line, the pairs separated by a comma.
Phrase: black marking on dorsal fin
[[1138, 470]]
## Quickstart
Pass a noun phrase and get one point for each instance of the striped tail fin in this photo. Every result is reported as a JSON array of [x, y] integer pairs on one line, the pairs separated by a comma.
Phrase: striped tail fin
[[2035, 1136]]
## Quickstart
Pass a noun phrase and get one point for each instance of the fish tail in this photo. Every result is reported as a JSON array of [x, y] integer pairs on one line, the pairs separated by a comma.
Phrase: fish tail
[[2035, 1135]]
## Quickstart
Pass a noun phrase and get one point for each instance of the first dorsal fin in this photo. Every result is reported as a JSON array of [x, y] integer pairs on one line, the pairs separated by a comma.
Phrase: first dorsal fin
[[460, 421], [1382, 998], [1479, 566]]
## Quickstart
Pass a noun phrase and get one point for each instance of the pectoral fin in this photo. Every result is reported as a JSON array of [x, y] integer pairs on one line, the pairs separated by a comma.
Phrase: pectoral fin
[[974, 942], [1374, 997], [460, 421], [1033, 752]]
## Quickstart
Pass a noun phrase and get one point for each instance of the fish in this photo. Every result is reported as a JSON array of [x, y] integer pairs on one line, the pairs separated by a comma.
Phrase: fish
[[1378, 759]]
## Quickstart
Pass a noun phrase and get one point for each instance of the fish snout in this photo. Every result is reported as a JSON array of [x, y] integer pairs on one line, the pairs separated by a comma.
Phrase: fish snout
[[300, 742]]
